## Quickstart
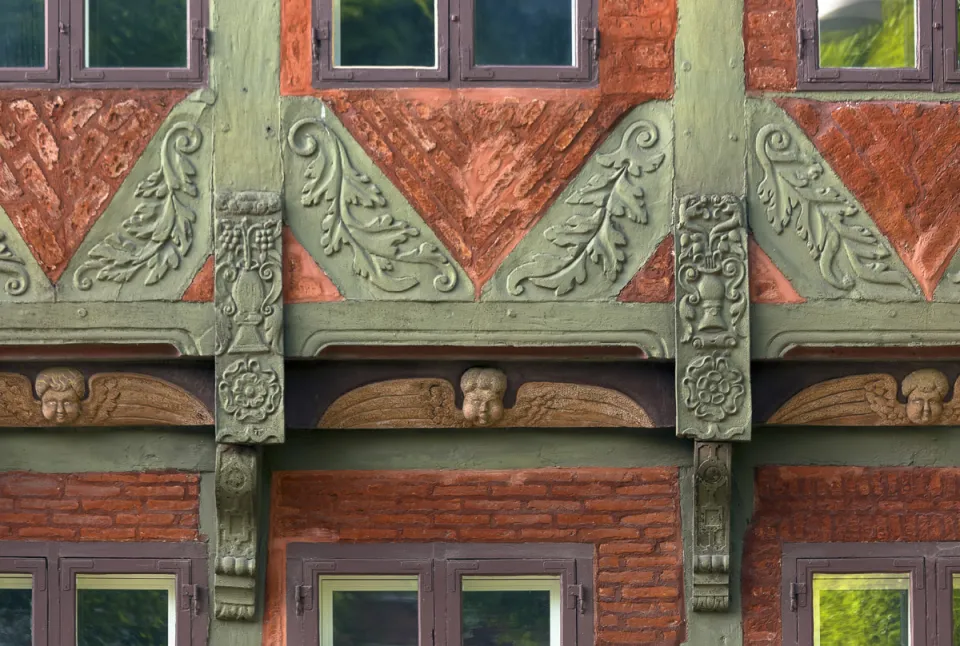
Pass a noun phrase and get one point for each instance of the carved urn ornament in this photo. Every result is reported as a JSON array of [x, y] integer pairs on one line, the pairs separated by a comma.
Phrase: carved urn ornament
[[871, 400], [430, 403], [113, 399]]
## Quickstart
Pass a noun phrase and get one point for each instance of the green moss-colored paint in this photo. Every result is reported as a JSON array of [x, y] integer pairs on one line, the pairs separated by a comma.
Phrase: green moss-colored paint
[[38, 289], [650, 149]]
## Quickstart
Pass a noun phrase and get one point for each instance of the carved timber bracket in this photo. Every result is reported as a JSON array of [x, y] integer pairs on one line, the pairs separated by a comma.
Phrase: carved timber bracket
[[713, 347], [64, 398], [237, 489], [711, 527], [429, 403], [248, 290]]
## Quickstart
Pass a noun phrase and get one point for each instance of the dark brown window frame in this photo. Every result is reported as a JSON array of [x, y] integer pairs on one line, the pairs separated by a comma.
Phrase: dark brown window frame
[[65, 54], [931, 565], [439, 567], [937, 68], [53, 593], [455, 67]]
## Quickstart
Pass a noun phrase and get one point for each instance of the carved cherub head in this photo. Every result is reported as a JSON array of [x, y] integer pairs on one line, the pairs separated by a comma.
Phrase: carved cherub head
[[60, 391], [925, 390], [483, 390]]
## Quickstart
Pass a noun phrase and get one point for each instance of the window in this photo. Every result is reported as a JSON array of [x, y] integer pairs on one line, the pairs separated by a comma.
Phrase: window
[[130, 594], [847, 44], [891, 594], [149, 43], [463, 595], [455, 42]]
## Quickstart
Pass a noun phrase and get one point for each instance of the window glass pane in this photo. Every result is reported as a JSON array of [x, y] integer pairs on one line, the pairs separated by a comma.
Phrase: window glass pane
[[136, 33], [16, 609], [867, 33], [956, 610], [532, 32], [384, 33], [869, 609], [23, 40], [510, 611], [126, 610], [369, 611]]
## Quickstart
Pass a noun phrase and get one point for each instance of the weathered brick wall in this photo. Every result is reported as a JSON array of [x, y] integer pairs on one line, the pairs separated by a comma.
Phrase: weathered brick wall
[[100, 506], [836, 504], [632, 516], [770, 38]]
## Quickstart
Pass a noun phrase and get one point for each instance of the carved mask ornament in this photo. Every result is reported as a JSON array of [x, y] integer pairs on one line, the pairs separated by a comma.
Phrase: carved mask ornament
[[483, 390], [924, 391], [60, 391]]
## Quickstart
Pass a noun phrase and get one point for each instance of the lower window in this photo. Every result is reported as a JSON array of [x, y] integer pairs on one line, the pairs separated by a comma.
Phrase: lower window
[[420, 595], [107, 594], [897, 594]]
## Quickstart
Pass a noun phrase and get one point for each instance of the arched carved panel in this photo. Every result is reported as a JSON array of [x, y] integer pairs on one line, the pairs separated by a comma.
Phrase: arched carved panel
[[430, 403]]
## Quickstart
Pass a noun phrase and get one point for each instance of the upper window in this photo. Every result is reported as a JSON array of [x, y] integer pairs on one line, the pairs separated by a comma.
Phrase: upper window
[[107, 594], [395, 42], [149, 43], [896, 594], [874, 44], [440, 595]]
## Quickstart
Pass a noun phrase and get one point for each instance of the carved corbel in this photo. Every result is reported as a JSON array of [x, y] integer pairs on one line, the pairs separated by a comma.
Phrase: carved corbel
[[249, 318], [711, 527], [713, 331], [237, 487]]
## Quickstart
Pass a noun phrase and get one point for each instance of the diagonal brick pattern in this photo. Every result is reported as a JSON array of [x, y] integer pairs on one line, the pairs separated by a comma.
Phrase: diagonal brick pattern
[[63, 155], [902, 162]]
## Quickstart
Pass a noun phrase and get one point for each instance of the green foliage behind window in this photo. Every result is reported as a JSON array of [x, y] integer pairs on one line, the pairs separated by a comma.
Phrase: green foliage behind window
[[375, 33], [137, 33], [891, 43], [863, 618]]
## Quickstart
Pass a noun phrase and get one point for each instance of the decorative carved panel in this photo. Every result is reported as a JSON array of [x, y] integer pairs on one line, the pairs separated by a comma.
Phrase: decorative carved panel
[[430, 403], [248, 293], [13, 271], [711, 526], [63, 398], [713, 348], [871, 400], [237, 489]]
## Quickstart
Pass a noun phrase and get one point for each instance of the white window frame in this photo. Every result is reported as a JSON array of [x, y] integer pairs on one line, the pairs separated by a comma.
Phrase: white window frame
[[133, 583]]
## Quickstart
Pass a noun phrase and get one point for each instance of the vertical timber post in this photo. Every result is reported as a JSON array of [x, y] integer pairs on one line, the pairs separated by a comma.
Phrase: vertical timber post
[[712, 300]]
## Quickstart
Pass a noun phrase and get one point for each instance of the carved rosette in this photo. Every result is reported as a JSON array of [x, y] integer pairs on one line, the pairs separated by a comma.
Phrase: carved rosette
[[16, 281], [713, 352], [237, 487], [248, 266], [711, 527]]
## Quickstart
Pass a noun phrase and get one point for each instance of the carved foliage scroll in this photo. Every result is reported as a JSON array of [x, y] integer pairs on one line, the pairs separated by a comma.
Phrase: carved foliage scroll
[[249, 318], [800, 194], [592, 240], [159, 234], [386, 251], [237, 488], [713, 353], [13, 272], [711, 527]]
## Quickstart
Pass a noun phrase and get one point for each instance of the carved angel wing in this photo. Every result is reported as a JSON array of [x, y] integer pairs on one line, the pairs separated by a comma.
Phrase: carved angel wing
[[857, 400], [17, 404], [127, 399], [554, 405], [400, 403], [951, 409]]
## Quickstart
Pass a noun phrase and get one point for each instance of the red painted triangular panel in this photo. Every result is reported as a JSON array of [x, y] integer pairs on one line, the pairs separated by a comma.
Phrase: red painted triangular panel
[[654, 283]]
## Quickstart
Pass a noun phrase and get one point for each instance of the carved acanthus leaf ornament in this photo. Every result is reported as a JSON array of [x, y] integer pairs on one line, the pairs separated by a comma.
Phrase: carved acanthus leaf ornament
[[18, 281], [871, 400], [113, 399], [797, 192], [430, 403], [356, 215], [592, 239], [159, 234]]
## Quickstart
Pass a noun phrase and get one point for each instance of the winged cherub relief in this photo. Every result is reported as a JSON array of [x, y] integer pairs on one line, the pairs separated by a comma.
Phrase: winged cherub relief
[[871, 400], [430, 403], [114, 399]]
